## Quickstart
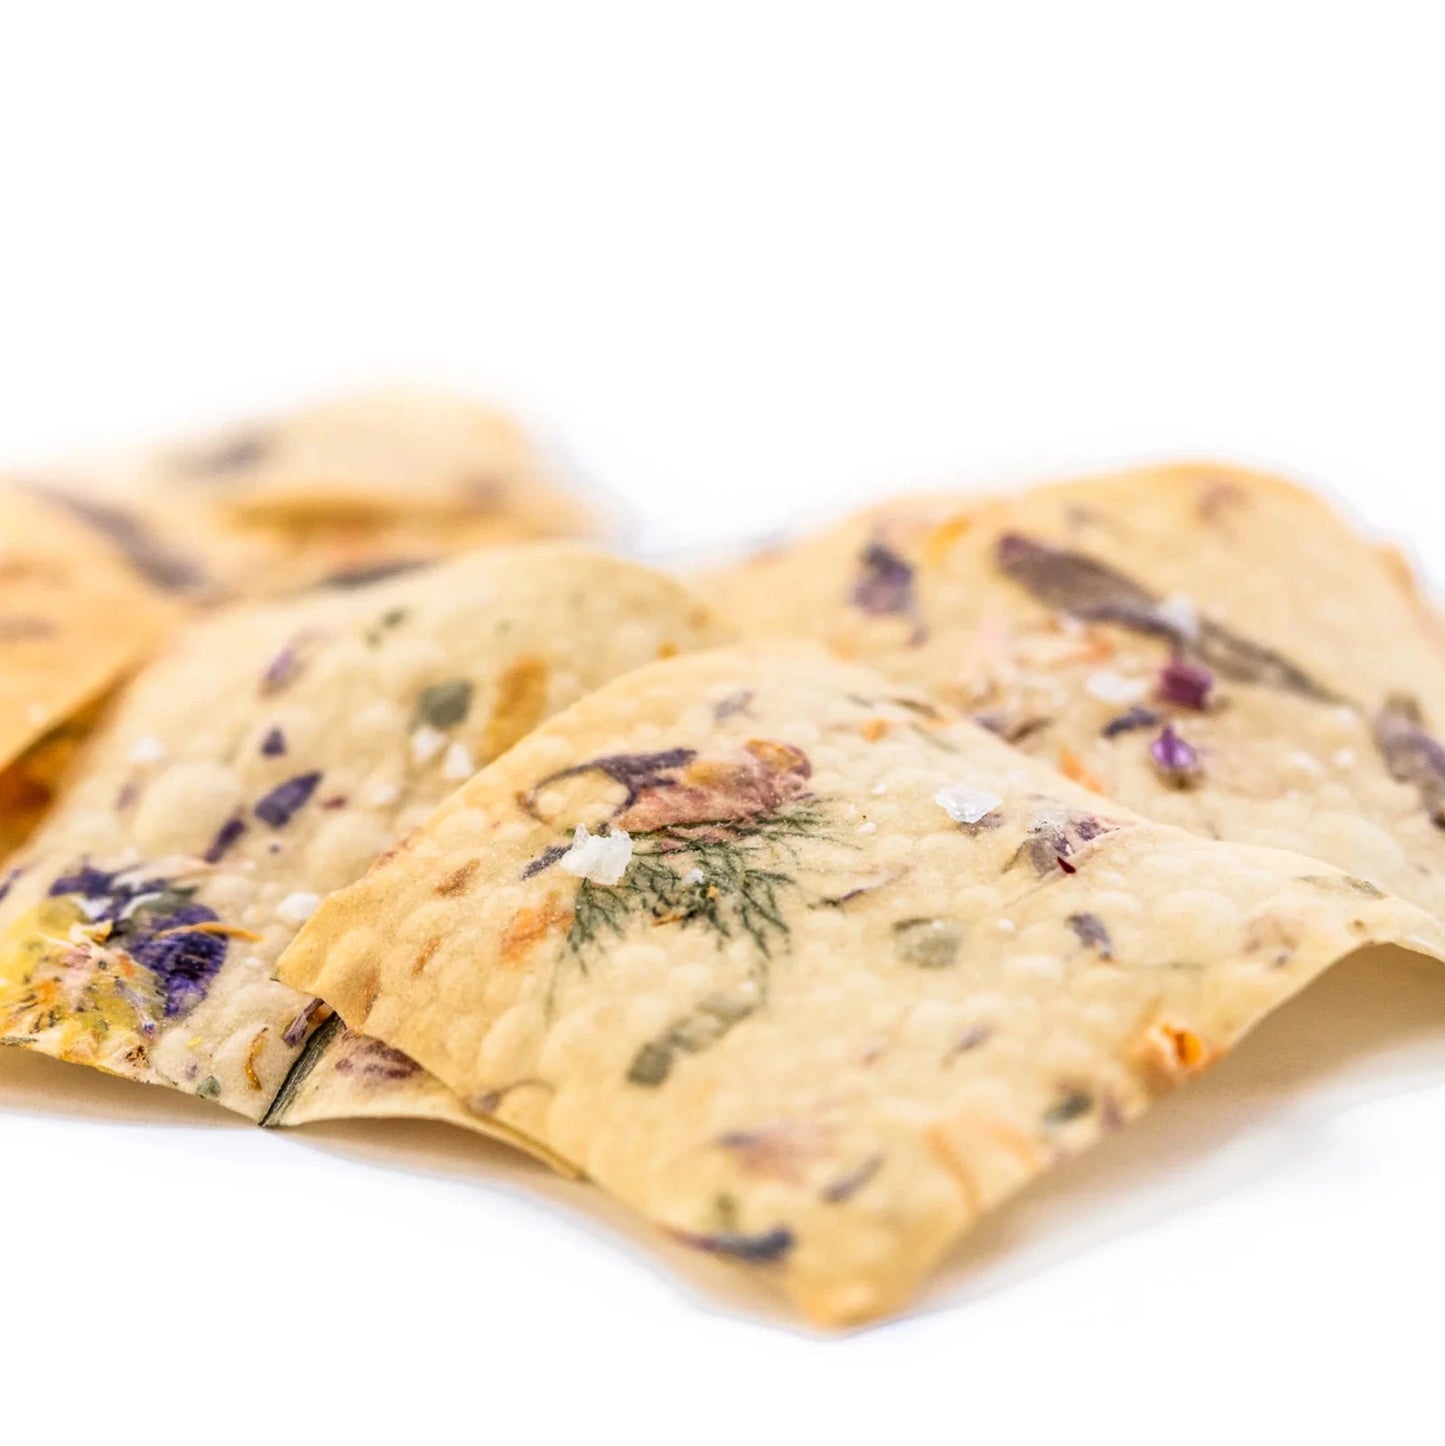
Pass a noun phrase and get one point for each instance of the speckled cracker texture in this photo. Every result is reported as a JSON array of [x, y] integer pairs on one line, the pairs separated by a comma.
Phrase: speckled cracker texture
[[1296, 662], [339, 490], [868, 970], [264, 761]]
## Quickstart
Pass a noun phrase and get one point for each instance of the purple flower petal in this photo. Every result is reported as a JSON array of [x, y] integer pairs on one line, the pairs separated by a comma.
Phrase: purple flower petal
[[1136, 717], [225, 839], [273, 745], [1186, 685], [885, 582], [1173, 757], [281, 670], [280, 805]]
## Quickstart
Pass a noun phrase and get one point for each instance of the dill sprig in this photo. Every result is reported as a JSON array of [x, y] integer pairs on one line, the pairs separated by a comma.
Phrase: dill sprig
[[728, 877]]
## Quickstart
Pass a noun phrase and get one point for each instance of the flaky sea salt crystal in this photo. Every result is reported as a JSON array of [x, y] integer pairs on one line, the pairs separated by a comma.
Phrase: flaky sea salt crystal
[[458, 763], [1115, 688], [966, 805], [147, 750], [1179, 612], [297, 908], [599, 858], [426, 743]]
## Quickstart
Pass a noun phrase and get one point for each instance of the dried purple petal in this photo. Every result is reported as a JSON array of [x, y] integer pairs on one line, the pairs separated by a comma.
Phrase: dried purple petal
[[544, 861], [885, 582], [281, 670], [153, 921], [273, 745], [8, 882], [1411, 754], [845, 1188], [186, 961], [347, 578], [634, 771], [231, 454], [296, 1031], [1173, 757], [1012, 730], [1135, 718], [225, 839], [280, 805], [1185, 684], [1074, 583], [762, 1249], [1091, 933], [371, 1059], [154, 559], [1051, 841], [89, 882]]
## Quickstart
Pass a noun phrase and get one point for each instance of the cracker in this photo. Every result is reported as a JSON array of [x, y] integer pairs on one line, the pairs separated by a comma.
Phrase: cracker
[[264, 761], [338, 491], [74, 619], [1295, 662], [865, 972]]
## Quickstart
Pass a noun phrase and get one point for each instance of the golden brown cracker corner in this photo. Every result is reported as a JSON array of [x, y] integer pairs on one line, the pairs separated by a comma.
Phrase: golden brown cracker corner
[[807, 970]]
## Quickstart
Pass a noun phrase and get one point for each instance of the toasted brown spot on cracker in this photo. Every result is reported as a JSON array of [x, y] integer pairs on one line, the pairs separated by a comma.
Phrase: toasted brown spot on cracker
[[521, 703], [459, 880], [426, 954], [530, 926]]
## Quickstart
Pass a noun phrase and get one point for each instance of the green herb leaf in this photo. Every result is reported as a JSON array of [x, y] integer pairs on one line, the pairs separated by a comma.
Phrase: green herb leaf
[[444, 705]]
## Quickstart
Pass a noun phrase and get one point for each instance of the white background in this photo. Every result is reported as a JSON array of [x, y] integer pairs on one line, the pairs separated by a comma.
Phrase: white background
[[752, 263]]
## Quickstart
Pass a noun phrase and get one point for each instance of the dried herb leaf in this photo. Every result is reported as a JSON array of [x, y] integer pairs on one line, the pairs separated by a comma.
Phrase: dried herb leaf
[[444, 705]]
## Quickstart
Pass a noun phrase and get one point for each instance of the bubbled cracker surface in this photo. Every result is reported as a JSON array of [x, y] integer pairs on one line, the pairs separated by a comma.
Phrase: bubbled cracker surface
[[1250, 551], [832, 1095], [344, 682]]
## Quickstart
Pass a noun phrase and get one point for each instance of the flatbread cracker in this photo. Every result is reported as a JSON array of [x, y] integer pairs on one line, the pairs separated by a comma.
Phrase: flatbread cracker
[[1295, 665], [74, 619], [263, 762], [806, 970], [339, 491]]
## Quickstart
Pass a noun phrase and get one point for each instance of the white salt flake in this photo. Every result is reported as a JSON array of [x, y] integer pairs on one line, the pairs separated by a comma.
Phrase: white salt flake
[[1305, 763], [879, 789], [147, 750], [383, 795], [869, 827], [426, 743], [1344, 758], [1111, 687], [694, 876], [458, 763], [600, 858], [1007, 926], [297, 908], [966, 805], [1179, 612]]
